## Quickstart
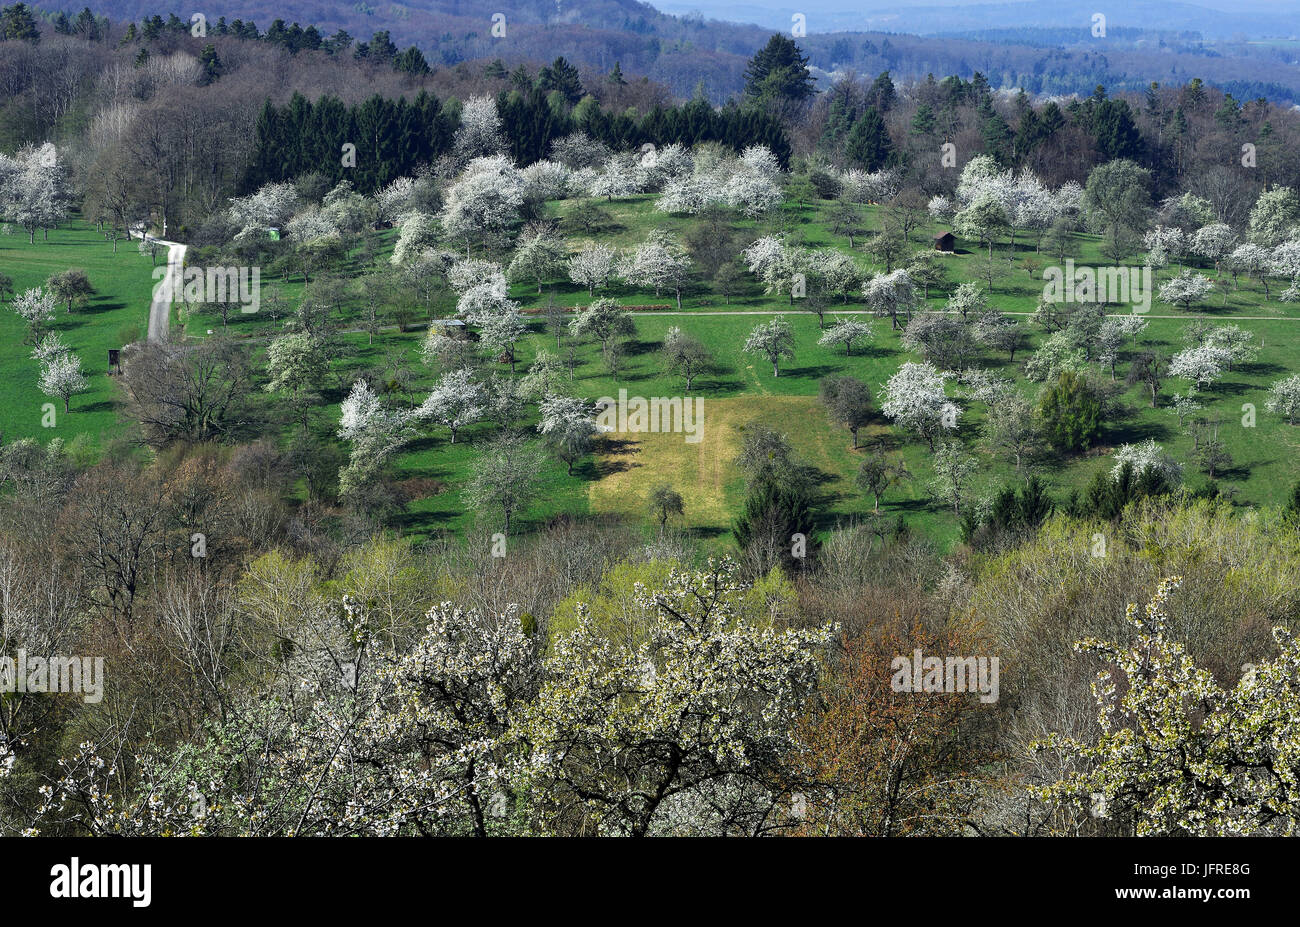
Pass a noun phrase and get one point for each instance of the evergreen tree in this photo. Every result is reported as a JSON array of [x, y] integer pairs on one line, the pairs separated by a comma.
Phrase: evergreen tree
[[211, 64], [561, 77], [779, 71], [19, 22], [868, 143]]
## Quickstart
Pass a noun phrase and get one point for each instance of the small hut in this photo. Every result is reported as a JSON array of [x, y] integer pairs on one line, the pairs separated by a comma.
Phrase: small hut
[[944, 241]]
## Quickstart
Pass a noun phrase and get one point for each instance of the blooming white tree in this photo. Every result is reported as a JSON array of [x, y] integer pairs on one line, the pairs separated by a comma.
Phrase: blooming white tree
[[1284, 398], [772, 340], [578, 150], [34, 189], [594, 266], [915, 400], [546, 180], [546, 376], [539, 256], [484, 201], [754, 188], [267, 208], [617, 179], [845, 332], [768, 257], [1178, 754], [941, 208], [983, 219], [1187, 211], [1252, 260], [838, 273], [50, 347], [443, 348], [479, 134], [658, 262], [470, 272], [1285, 263], [310, 225], [953, 470], [1275, 216], [1147, 455], [1202, 365], [968, 301], [374, 430], [502, 331], [394, 200], [568, 426], [36, 307], [417, 235], [484, 291], [1034, 207], [456, 401], [1238, 342], [891, 294], [61, 377], [982, 176], [1214, 242], [1056, 353], [608, 323], [1069, 198], [1187, 288], [659, 166], [1168, 242], [699, 715], [689, 194]]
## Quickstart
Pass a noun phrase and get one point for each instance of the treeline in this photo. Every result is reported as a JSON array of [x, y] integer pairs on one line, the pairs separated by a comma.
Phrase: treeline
[[394, 137], [391, 138]]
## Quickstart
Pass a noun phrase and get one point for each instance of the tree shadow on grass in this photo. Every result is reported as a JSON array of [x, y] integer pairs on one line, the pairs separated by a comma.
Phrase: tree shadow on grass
[[1234, 388], [1132, 432], [96, 307], [603, 465], [815, 371], [104, 405], [1260, 369]]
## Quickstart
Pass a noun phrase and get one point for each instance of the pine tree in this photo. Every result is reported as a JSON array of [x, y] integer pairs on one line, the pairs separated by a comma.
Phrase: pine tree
[[868, 143], [779, 71]]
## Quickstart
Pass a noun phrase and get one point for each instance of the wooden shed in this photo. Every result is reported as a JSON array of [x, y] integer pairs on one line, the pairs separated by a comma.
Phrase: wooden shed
[[944, 241]]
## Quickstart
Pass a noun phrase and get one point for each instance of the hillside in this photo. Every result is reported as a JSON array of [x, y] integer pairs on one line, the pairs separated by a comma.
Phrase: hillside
[[690, 53]]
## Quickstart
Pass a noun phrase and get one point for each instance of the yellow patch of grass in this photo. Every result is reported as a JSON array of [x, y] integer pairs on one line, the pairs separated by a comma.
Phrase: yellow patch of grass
[[712, 489]]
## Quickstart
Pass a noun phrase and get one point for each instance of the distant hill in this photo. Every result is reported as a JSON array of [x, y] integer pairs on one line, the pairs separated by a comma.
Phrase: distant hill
[[1044, 47], [1250, 20]]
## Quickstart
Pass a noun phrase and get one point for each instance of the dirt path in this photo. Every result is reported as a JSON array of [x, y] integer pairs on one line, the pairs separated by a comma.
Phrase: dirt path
[[160, 308]]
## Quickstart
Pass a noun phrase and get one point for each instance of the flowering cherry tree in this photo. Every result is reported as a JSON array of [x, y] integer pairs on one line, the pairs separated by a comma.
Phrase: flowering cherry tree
[[594, 267], [1284, 398], [772, 340], [915, 400], [458, 400], [1179, 754], [682, 733]]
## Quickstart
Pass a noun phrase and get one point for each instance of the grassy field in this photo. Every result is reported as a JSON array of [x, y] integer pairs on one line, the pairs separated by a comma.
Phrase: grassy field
[[117, 313], [619, 476]]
